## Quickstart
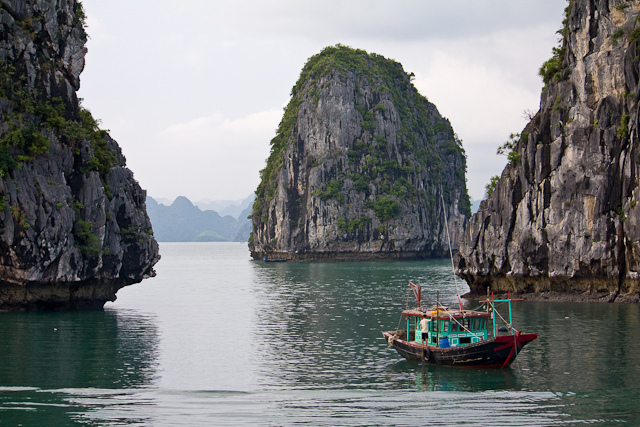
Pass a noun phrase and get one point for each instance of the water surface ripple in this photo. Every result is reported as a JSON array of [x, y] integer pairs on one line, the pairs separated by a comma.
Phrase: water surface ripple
[[218, 339]]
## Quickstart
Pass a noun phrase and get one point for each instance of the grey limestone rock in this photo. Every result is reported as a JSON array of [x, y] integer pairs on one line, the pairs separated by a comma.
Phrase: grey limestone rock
[[73, 224], [564, 219]]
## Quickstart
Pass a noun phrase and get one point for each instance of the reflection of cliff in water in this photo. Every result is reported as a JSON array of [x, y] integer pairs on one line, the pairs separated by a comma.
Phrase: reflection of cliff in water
[[97, 349]]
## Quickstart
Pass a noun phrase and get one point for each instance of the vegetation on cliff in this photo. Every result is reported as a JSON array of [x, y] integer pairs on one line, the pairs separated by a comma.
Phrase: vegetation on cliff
[[30, 114], [554, 68]]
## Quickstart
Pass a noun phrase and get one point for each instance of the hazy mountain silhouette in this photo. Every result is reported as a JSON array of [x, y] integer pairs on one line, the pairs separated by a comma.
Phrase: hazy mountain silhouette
[[184, 222]]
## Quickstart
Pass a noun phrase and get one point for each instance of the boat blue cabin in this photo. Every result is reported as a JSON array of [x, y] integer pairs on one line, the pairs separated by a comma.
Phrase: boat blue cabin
[[446, 327]]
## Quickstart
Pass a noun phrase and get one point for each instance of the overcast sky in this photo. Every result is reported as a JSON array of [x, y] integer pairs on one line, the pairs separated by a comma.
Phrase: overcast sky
[[193, 90]]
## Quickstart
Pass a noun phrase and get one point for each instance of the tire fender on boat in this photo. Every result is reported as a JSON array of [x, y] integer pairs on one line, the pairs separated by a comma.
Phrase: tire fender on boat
[[426, 354]]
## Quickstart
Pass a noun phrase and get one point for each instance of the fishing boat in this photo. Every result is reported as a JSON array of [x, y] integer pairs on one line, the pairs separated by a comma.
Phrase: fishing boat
[[455, 336], [274, 260]]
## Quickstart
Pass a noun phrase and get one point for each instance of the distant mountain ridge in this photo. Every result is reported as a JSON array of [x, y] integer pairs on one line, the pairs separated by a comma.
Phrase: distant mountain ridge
[[182, 221], [235, 208]]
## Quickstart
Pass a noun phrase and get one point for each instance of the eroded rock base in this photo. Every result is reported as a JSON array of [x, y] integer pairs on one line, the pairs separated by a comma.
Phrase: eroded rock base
[[556, 289], [39, 297]]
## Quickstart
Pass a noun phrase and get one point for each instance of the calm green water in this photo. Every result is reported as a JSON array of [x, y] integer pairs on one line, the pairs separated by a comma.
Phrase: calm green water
[[217, 339]]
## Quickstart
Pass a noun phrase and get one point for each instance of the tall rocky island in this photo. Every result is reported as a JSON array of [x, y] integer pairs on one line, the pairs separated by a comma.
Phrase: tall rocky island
[[563, 217], [73, 224], [359, 167]]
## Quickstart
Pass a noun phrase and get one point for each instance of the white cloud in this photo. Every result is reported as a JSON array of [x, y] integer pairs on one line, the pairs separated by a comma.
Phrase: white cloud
[[397, 21], [224, 132], [476, 97], [213, 152], [483, 86], [483, 107], [99, 32]]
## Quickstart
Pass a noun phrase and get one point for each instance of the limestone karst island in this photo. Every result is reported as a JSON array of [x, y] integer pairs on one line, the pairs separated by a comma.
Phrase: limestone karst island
[[73, 224], [362, 167]]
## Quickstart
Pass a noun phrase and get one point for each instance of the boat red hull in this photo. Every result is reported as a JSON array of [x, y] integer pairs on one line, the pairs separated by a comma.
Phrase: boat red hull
[[495, 352]]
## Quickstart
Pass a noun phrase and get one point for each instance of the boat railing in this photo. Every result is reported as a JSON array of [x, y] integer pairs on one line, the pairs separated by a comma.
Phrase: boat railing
[[495, 313]]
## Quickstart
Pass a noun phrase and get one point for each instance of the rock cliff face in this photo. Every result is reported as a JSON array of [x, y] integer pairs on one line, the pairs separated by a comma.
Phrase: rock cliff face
[[358, 167], [563, 216], [73, 225]]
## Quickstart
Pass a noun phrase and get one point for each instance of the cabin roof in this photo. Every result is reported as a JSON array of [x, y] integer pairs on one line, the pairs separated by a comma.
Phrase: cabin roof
[[445, 313]]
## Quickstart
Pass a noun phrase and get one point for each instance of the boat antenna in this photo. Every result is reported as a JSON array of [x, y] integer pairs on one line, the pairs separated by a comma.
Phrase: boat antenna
[[453, 268]]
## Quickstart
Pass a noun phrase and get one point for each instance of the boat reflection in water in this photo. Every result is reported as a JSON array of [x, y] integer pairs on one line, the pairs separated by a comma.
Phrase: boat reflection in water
[[454, 336], [442, 378]]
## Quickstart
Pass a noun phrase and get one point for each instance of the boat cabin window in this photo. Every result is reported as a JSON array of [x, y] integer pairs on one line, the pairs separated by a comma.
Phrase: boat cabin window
[[462, 325], [478, 324]]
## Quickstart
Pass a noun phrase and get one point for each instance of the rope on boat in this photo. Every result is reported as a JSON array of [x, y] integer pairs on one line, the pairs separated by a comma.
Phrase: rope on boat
[[408, 296], [511, 330], [400, 319], [509, 325], [398, 328], [515, 350], [426, 354]]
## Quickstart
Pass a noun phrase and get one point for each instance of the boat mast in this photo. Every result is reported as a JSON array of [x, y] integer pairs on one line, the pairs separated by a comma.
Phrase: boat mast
[[453, 268], [417, 292]]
